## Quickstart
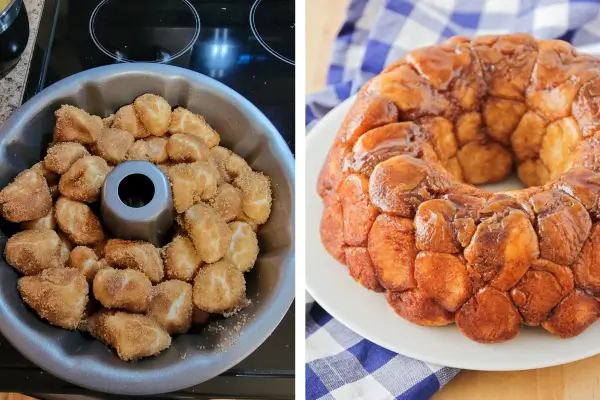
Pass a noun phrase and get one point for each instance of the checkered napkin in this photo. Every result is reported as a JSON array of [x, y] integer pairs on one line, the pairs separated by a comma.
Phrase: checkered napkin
[[339, 363]]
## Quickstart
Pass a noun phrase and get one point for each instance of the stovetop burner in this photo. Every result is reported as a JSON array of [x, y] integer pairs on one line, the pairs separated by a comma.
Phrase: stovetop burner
[[281, 45], [144, 33]]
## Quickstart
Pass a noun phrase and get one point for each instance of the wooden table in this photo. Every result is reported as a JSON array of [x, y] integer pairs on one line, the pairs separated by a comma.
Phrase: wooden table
[[577, 381]]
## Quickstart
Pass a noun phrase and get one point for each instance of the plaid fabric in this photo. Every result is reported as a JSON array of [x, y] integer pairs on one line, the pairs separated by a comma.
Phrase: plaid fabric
[[339, 363]]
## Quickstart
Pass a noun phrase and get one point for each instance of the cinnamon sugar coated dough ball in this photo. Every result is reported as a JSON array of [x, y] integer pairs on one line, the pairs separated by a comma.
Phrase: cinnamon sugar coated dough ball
[[27, 197], [75, 125], [126, 289], [113, 145], [46, 222], [219, 288], [154, 112], [129, 294], [220, 156], [83, 181], [192, 183], [400, 209], [209, 232], [62, 156], [182, 147], [127, 120], [58, 295], [181, 259], [135, 254], [243, 250], [32, 251], [256, 195], [133, 336], [153, 149], [228, 202], [184, 121], [78, 221], [86, 260], [171, 305]]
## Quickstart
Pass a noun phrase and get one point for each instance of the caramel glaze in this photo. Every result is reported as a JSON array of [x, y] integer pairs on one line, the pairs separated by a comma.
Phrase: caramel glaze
[[401, 211]]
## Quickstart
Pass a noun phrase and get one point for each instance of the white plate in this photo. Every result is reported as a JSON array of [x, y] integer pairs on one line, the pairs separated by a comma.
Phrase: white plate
[[368, 314]]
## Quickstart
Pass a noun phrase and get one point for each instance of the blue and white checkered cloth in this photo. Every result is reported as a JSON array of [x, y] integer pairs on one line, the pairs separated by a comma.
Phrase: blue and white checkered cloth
[[339, 363]]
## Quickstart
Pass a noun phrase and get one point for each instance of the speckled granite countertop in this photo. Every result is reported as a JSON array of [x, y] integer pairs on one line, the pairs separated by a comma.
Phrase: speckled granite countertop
[[13, 84]]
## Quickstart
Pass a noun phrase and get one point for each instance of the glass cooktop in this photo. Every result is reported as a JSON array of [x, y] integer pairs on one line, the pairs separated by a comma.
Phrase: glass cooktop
[[247, 45]]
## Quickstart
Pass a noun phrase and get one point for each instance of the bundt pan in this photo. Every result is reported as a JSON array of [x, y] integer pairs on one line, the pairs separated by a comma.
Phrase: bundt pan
[[401, 210], [192, 357]]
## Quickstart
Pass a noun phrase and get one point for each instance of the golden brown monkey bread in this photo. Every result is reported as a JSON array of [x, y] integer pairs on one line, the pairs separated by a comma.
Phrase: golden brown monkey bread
[[243, 250], [256, 195], [83, 181], [182, 148], [127, 120], [391, 245], [361, 268], [62, 156], [400, 209], [135, 254], [58, 295], [171, 305], [228, 202], [503, 248], [27, 197], [573, 315], [181, 259], [133, 336], [199, 317], [45, 222], [586, 268], [154, 112], [152, 149], [399, 184], [65, 247], [414, 306], [32, 251], [209, 232], [332, 227], [219, 288], [192, 183], [75, 125], [184, 121], [78, 221], [489, 317], [113, 145], [444, 278], [52, 178], [563, 225], [86, 260], [540, 289], [125, 289]]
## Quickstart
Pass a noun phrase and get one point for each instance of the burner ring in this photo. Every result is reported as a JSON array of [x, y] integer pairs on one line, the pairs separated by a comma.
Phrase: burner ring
[[260, 39], [120, 58]]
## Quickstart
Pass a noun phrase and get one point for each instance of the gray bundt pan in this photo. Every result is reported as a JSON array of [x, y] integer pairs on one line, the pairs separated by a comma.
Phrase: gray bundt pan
[[194, 357]]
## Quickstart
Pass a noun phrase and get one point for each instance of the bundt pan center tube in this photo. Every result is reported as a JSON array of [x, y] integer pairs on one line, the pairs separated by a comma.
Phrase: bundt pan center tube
[[136, 203], [196, 356], [403, 214]]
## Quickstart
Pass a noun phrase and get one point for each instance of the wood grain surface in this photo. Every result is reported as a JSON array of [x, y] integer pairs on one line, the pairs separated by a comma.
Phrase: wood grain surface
[[14, 396], [575, 381]]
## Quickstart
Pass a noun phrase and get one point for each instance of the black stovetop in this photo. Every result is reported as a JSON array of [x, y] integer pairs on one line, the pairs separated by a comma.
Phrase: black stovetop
[[75, 35]]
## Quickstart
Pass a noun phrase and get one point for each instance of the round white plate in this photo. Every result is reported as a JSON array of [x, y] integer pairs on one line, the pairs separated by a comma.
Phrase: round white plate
[[368, 314]]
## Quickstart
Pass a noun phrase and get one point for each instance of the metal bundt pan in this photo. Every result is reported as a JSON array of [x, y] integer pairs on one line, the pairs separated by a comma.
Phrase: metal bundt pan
[[192, 358]]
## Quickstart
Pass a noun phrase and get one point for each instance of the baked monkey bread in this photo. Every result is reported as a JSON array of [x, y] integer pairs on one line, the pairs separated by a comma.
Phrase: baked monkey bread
[[403, 214]]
